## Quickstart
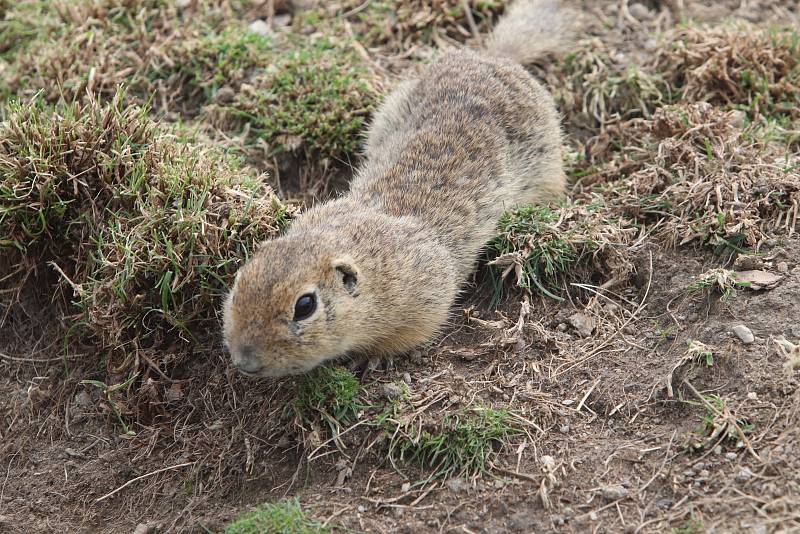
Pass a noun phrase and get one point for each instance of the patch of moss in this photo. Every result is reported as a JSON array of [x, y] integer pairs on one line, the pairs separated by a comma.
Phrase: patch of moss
[[315, 95], [281, 518], [463, 443], [330, 391]]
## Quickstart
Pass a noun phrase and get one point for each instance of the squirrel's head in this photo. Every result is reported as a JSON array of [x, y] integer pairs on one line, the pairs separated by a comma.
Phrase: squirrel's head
[[288, 309]]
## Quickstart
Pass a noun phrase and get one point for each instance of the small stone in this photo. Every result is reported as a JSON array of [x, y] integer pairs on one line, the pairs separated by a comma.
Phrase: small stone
[[457, 485], [391, 391], [752, 395], [744, 474], [730, 455], [664, 503], [548, 461], [782, 267], [564, 429], [744, 334], [406, 487], [593, 516], [614, 492], [225, 95], [640, 12], [260, 27], [144, 528], [568, 402], [82, 399], [279, 21], [582, 323], [717, 450], [562, 327], [407, 378], [361, 509]]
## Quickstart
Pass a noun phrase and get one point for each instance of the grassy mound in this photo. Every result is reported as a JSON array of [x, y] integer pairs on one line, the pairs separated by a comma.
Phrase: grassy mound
[[145, 231], [732, 66], [309, 95]]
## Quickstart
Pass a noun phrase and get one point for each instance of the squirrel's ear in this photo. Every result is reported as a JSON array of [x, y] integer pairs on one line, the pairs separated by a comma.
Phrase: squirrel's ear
[[347, 273]]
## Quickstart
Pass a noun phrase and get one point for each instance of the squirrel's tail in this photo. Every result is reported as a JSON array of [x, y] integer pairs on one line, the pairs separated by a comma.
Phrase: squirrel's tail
[[532, 29]]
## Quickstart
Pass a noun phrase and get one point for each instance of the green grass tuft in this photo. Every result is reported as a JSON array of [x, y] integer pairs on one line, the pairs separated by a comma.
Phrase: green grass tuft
[[329, 393], [281, 518], [545, 250], [312, 97], [720, 280], [464, 443]]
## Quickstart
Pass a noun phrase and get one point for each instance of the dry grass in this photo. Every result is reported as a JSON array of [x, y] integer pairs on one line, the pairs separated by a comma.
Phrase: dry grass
[[145, 232]]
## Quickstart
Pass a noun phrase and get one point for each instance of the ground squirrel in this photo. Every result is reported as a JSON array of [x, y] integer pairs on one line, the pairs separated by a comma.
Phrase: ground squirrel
[[377, 270]]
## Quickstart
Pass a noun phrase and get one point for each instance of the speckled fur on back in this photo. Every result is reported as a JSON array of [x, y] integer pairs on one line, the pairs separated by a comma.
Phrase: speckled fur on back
[[446, 154]]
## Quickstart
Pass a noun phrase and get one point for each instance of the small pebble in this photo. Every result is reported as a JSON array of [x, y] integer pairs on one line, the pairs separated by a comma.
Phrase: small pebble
[[582, 323], [718, 449], [83, 399], [744, 474], [744, 334], [752, 395], [640, 12], [568, 402], [279, 21], [407, 378], [783, 267], [564, 429], [260, 27], [664, 503], [225, 95], [730, 455], [614, 492]]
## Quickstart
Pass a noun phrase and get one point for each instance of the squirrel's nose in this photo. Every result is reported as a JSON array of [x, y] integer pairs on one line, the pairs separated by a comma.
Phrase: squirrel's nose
[[245, 360]]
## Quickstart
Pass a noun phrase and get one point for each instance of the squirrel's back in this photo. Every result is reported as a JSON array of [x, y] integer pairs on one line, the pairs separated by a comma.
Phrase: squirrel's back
[[475, 135]]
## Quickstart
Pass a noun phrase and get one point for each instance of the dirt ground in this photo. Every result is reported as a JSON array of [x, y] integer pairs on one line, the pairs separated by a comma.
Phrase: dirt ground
[[623, 429]]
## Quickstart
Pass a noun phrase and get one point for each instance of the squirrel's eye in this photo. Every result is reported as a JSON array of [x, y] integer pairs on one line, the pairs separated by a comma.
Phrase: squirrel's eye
[[305, 307]]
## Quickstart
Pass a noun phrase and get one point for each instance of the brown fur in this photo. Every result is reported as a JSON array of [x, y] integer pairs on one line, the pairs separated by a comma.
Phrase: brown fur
[[446, 155]]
